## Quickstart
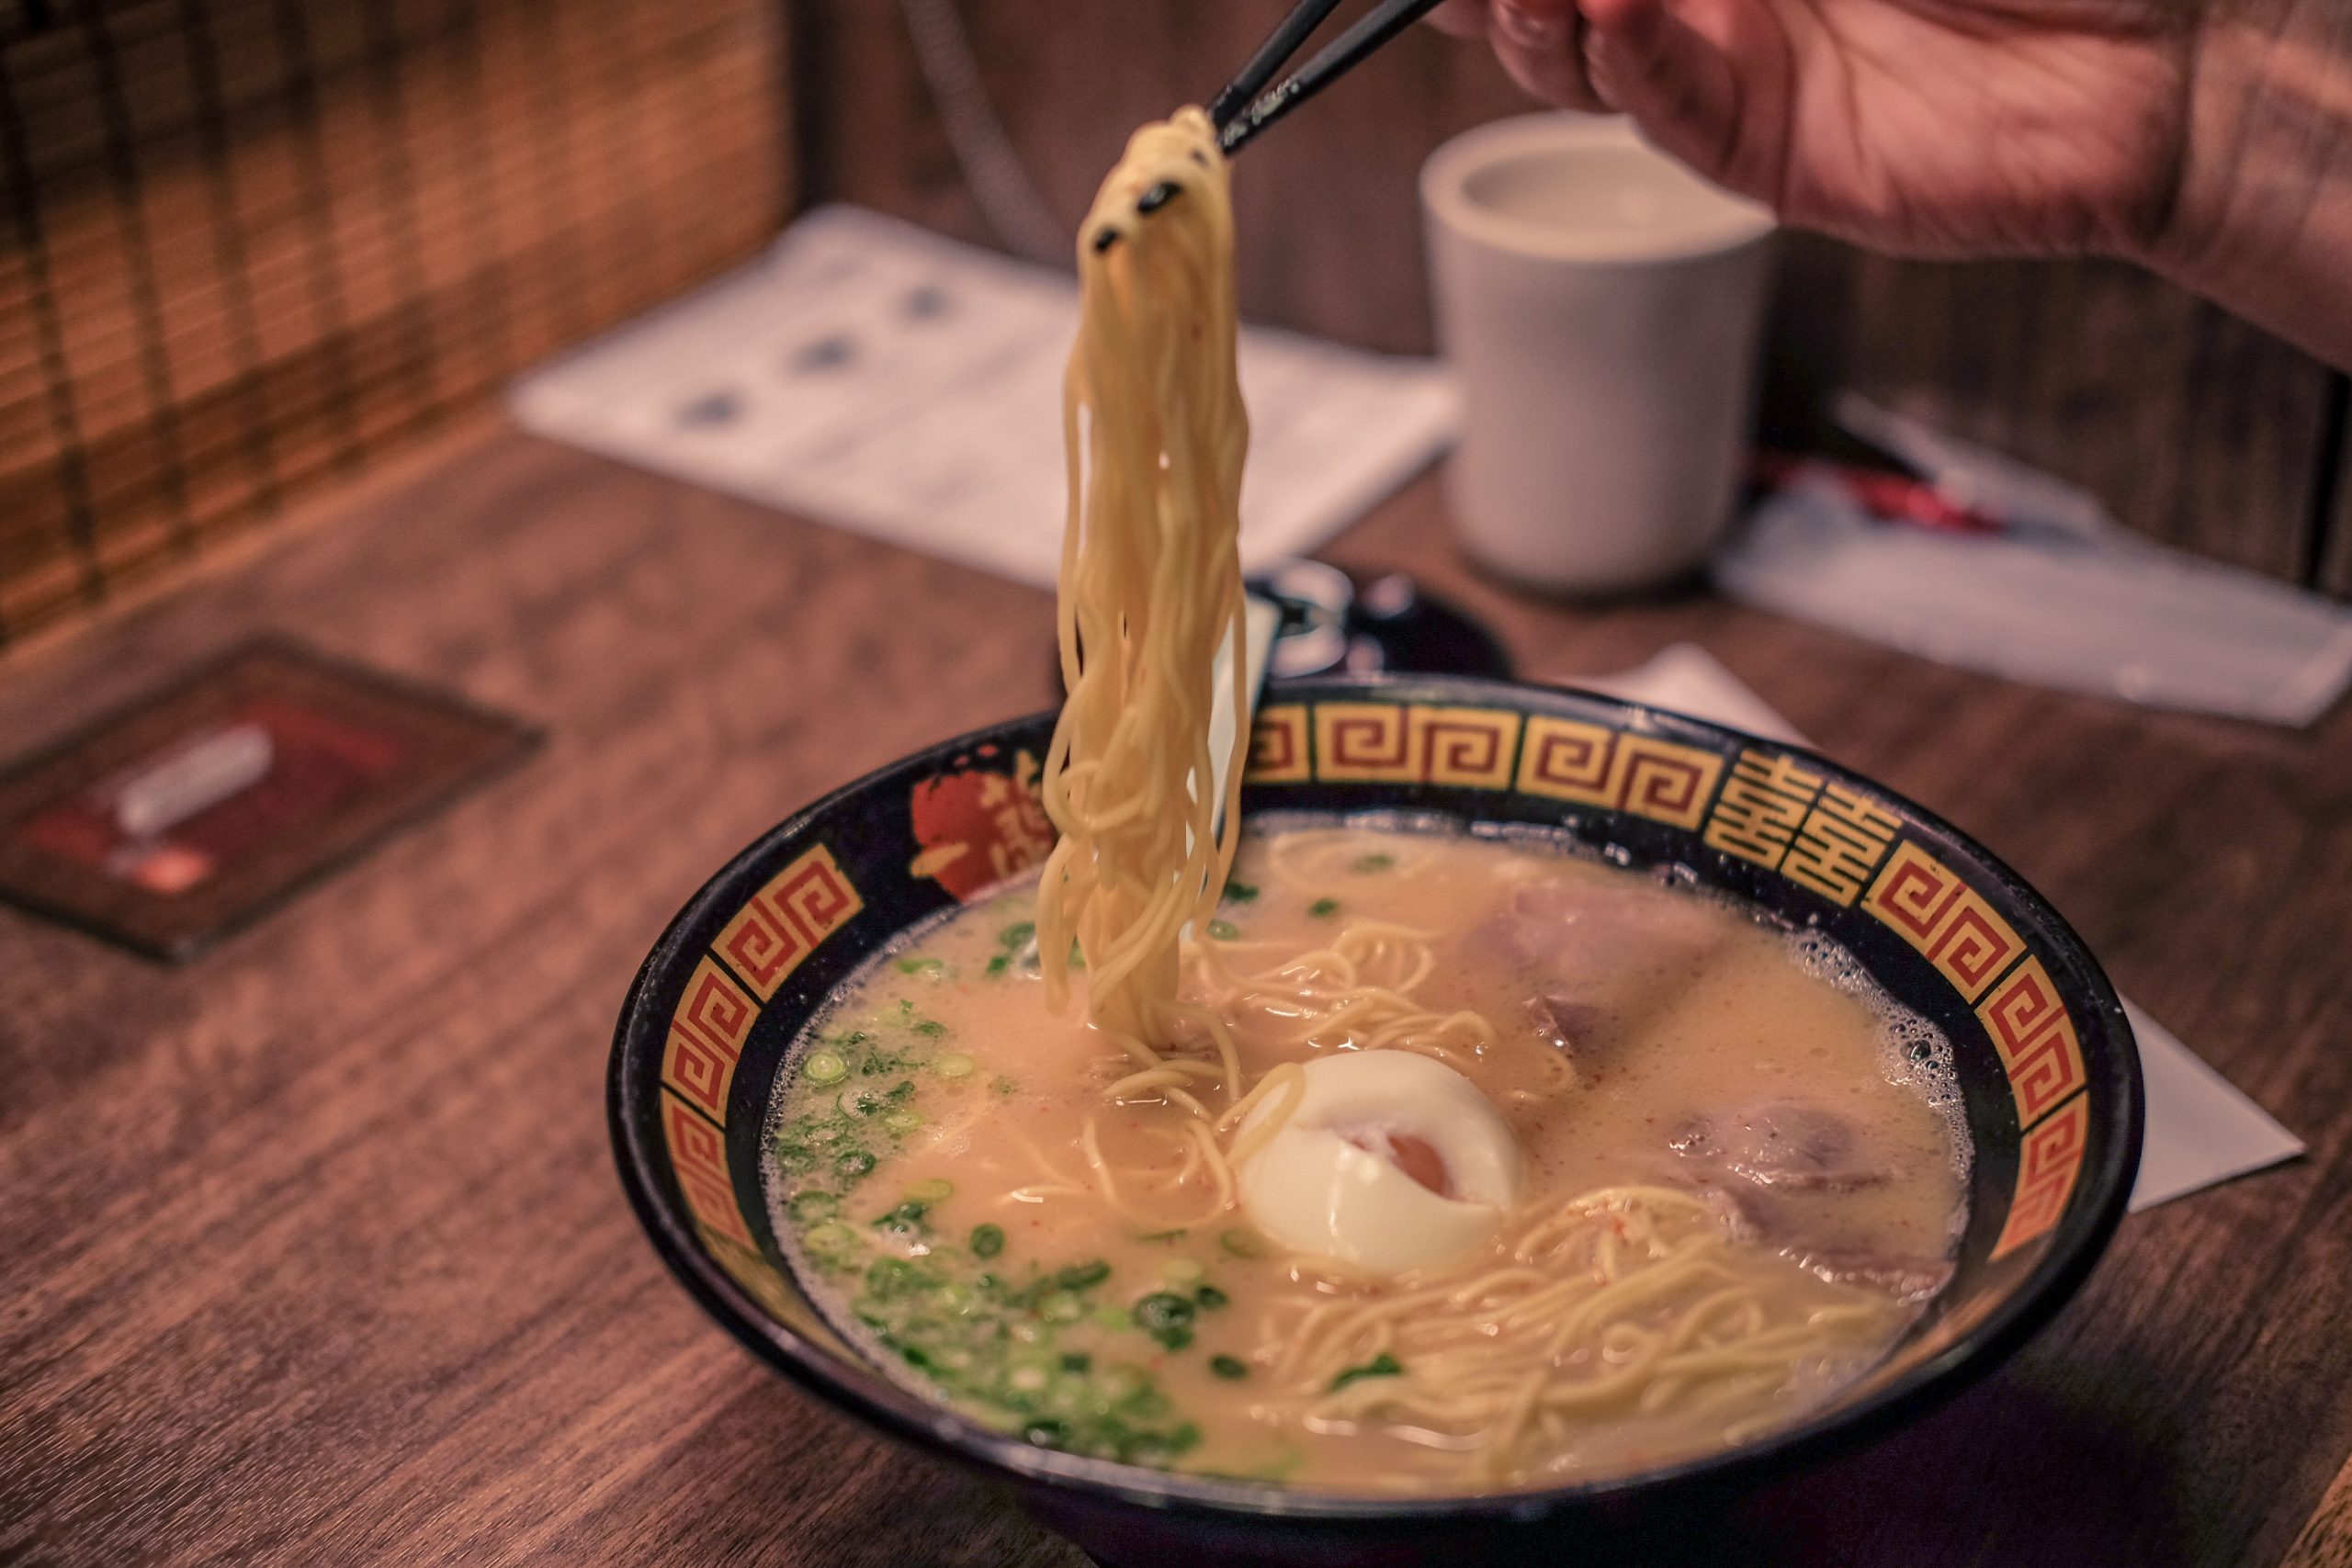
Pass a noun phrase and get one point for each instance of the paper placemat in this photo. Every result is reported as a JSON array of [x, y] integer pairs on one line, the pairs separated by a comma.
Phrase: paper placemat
[[873, 375], [2200, 1129]]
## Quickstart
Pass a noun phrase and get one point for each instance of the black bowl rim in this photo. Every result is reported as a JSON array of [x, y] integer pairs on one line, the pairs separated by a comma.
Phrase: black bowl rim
[[874, 1398]]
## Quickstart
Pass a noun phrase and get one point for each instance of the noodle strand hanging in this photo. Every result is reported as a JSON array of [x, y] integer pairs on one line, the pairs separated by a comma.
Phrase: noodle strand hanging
[[1150, 584]]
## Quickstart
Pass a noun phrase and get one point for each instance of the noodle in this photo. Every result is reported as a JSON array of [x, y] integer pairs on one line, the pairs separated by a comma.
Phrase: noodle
[[1150, 584], [1688, 1320]]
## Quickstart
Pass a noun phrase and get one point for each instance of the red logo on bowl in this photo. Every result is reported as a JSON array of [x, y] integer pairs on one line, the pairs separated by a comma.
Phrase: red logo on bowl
[[977, 824]]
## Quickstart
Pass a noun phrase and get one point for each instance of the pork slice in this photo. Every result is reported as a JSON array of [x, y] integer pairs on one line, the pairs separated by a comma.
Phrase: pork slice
[[1782, 1144], [1803, 1225], [1599, 959], [1567, 1024], [1577, 936], [1907, 1279]]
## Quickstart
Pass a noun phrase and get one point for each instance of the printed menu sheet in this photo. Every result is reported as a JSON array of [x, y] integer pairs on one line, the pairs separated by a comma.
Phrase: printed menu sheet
[[872, 374]]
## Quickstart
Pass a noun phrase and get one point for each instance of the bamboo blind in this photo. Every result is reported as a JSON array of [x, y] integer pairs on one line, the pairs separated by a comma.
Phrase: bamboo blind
[[249, 245]]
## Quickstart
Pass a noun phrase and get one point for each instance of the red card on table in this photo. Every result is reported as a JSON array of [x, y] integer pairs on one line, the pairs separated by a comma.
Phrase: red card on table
[[172, 822]]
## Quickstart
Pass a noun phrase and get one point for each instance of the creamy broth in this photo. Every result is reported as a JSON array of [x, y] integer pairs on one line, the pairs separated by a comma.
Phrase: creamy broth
[[1687, 1088]]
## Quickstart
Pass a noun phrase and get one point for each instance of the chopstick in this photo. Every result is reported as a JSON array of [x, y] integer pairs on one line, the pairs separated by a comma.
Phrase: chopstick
[[1280, 45], [1239, 112], [1240, 116]]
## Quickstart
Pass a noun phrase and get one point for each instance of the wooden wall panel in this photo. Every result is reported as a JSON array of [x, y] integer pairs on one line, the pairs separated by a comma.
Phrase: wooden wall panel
[[2194, 427], [249, 245], [2334, 502]]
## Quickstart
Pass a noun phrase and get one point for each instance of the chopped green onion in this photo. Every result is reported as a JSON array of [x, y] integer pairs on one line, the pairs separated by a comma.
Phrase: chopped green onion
[[1078, 1361], [1366, 865], [987, 1241], [813, 1207], [855, 1164], [920, 966], [1381, 1365], [825, 1067], [936, 1189], [903, 1120], [1083, 1276], [1181, 1271], [998, 965], [1229, 1368], [892, 1276], [1176, 1235], [1324, 909], [830, 1240], [1240, 893], [1120, 1383], [954, 1064], [1243, 1243], [1167, 1318], [1224, 930], [1211, 1298], [1016, 936]]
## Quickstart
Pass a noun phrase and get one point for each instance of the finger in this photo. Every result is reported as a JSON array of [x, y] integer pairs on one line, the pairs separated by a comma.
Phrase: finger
[[1540, 43], [1677, 87], [1462, 18]]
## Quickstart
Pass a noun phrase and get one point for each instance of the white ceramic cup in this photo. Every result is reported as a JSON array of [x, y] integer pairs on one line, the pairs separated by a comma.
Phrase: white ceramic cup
[[1600, 305]]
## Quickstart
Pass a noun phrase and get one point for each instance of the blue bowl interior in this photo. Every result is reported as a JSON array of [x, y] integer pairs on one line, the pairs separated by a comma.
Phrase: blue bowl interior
[[2045, 1059]]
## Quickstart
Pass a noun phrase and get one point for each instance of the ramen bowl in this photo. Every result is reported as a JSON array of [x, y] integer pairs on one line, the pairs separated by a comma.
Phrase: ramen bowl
[[2046, 1067]]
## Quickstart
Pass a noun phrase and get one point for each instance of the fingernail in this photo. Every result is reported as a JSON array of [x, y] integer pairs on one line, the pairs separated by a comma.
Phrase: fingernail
[[1535, 24]]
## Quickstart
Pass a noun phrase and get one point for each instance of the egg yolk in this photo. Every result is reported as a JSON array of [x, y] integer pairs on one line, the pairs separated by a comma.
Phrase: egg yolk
[[1417, 1158]]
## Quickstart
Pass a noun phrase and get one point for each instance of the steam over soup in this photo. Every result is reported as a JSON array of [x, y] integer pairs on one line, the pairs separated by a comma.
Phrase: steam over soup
[[1468, 1164]]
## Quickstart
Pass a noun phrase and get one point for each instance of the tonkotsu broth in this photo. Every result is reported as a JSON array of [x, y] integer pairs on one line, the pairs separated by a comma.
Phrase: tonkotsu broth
[[1795, 1134]]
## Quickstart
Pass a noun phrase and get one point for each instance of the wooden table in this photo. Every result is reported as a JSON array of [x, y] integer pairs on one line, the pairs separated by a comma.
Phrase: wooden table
[[313, 1253]]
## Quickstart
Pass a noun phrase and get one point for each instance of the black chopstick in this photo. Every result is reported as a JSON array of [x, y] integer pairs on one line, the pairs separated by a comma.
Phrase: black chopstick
[[1375, 28], [1239, 113], [1273, 54]]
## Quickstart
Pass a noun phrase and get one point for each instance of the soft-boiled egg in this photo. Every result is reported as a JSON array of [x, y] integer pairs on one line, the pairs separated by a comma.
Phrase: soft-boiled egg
[[1390, 1162]]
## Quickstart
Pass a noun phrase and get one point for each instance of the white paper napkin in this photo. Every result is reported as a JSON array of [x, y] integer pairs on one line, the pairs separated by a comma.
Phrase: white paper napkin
[[2064, 597], [2200, 1129]]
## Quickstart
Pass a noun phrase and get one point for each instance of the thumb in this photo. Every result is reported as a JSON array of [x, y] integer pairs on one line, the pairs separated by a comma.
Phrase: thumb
[[1675, 84]]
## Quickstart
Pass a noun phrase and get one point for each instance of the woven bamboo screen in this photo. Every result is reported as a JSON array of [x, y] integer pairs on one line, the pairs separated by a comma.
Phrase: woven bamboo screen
[[249, 245]]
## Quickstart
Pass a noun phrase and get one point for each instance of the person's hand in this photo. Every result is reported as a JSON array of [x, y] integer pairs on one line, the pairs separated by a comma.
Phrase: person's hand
[[1928, 127], [2209, 140]]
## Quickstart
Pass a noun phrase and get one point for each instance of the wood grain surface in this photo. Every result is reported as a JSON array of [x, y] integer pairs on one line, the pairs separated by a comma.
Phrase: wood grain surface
[[2192, 426], [2326, 1540], [313, 1250]]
